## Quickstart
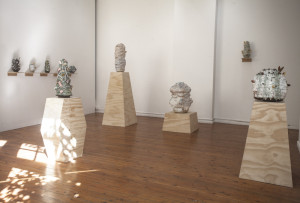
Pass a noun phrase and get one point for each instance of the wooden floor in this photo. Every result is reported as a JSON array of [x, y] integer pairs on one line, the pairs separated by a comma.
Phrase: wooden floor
[[139, 163]]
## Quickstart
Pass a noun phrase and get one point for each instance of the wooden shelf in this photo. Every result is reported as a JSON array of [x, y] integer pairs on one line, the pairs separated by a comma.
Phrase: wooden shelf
[[246, 59], [43, 74]]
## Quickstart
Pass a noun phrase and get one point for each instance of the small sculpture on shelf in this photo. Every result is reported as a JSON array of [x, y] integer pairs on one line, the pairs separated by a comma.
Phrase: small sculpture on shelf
[[72, 69], [180, 100], [47, 66], [270, 85], [32, 68], [15, 66], [120, 54], [246, 52], [63, 84]]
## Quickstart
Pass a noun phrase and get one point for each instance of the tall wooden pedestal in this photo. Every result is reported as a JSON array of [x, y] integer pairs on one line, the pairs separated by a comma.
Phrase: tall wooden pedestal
[[180, 122], [119, 107], [267, 154], [63, 128]]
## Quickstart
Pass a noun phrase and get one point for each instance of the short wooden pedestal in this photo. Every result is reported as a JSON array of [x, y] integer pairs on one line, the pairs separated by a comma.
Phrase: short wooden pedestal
[[267, 154], [119, 107], [63, 128], [180, 122]]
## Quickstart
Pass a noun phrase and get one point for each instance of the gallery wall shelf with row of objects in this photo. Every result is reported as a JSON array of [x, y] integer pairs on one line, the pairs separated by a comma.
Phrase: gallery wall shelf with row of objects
[[10, 73], [43, 74]]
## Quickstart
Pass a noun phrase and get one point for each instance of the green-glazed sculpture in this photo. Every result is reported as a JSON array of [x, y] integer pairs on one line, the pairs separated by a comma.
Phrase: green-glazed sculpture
[[63, 84], [47, 66]]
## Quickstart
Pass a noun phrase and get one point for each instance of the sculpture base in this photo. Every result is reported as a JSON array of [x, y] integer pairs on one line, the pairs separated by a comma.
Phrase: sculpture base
[[63, 128], [181, 122], [119, 107], [267, 153]]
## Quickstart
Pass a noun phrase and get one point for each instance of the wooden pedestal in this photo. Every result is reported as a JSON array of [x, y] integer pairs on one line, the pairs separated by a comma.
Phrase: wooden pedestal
[[63, 128], [267, 154], [298, 142], [181, 122], [119, 107]]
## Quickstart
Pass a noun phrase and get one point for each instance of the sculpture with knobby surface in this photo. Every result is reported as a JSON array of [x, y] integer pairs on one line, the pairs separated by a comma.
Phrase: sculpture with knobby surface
[[63, 84]]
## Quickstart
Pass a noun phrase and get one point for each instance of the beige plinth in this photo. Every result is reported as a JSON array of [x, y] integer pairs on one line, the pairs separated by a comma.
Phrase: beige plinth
[[63, 128], [267, 154], [119, 107], [180, 122]]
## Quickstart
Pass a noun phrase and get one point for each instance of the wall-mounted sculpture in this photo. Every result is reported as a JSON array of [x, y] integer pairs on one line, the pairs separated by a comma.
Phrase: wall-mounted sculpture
[[15, 66], [63, 86], [246, 52], [270, 85], [120, 54], [180, 100], [47, 66]]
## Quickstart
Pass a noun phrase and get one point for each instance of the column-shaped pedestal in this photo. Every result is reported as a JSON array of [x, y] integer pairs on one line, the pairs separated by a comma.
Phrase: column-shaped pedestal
[[119, 108], [267, 153], [180, 122], [63, 128]]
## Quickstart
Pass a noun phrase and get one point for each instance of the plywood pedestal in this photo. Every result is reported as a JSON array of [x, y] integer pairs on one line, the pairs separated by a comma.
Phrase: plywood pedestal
[[267, 154], [119, 107], [180, 122], [63, 128]]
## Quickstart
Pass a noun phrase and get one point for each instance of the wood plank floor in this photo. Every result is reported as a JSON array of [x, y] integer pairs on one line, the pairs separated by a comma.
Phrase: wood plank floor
[[139, 163]]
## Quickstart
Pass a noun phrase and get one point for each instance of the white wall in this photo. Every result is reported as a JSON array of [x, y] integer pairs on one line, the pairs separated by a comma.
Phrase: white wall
[[34, 30], [167, 42], [273, 29]]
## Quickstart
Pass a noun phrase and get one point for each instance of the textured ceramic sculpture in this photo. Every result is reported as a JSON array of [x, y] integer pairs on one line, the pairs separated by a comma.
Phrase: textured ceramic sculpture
[[31, 67], [270, 85], [47, 66], [120, 54], [247, 51], [72, 69], [15, 66], [63, 84], [180, 100]]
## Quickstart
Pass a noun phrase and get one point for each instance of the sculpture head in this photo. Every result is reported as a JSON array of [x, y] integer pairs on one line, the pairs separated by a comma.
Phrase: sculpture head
[[180, 100], [270, 85], [120, 54]]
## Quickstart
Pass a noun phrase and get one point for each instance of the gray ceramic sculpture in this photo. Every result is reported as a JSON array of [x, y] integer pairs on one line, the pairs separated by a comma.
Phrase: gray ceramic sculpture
[[247, 51], [120, 54], [270, 85], [63, 84], [47, 66], [180, 100], [15, 66]]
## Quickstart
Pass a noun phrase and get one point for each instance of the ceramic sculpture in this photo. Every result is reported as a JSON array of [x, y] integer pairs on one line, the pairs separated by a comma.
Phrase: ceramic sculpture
[[180, 100], [120, 54], [72, 69], [47, 66], [32, 68], [270, 85], [247, 51], [63, 84], [15, 65]]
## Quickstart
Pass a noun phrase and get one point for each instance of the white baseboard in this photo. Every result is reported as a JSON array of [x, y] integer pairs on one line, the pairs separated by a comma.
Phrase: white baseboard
[[200, 120], [228, 121], [160, 115]]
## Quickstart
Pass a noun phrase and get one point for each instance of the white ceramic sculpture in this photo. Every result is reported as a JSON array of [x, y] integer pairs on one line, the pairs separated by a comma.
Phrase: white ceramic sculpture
[[180, 100], [120, 54], [270, 85]]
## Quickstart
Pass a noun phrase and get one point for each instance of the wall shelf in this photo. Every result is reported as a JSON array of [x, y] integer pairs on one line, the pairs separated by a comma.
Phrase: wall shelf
[[43, 74]]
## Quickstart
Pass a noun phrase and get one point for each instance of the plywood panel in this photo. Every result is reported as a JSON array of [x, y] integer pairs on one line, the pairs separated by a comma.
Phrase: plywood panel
[[119, 107], [267, 155], [63, 128], [180, 122]]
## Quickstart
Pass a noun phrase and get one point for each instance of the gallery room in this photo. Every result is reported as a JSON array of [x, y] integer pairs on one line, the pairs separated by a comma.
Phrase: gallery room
[[149, 101]]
